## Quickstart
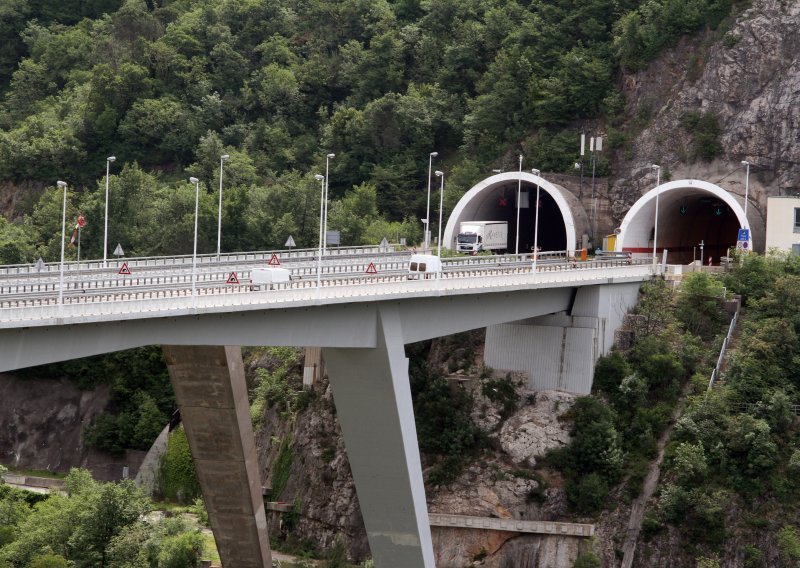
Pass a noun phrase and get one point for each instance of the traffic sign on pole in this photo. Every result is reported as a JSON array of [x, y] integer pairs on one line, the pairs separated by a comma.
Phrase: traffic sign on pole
[[371, 269], [232, 279], [124, 270], [274, 261], [384, 246], [744, 235], [118, 251], [289, 242], [39, 265]]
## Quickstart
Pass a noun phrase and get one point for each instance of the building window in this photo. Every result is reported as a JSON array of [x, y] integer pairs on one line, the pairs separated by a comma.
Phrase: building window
[[796, 250], [797, 219]]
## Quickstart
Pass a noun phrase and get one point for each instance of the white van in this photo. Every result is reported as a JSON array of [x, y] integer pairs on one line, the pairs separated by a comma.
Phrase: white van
[[267, 277], [423, 264]]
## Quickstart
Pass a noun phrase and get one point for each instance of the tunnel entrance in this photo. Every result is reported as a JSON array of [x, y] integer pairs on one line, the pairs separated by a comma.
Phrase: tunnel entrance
[[688, 217], [499, 203]]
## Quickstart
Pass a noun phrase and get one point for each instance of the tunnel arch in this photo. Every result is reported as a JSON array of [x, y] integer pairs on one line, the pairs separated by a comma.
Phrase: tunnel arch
[[562, 218], [689, 211]]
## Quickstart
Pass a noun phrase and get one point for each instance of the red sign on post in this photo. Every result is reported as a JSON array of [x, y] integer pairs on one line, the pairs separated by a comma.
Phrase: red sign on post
[[371, 269], [274, 260], [232, 279], [124, 270]]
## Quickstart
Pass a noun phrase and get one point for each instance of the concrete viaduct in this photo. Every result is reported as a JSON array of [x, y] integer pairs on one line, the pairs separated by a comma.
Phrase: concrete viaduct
[[362, 330]]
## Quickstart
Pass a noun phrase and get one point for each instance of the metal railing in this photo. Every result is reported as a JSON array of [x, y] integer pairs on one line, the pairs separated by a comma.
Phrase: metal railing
[[216, 296], [721, 358]]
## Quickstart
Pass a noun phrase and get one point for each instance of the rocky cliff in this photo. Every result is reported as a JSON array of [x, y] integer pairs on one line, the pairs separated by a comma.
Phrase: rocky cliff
[[747, 74]]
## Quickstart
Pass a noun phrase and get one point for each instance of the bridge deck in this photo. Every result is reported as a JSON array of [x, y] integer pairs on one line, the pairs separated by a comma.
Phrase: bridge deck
[[511, 525]]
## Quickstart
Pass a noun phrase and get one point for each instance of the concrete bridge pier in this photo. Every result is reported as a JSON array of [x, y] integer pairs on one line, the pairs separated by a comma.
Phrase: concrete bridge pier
[[373, 404], [210, 389], [559, 351]]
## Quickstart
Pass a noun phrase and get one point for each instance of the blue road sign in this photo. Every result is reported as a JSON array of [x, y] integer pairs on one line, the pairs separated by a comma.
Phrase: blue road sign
[[744, 235]]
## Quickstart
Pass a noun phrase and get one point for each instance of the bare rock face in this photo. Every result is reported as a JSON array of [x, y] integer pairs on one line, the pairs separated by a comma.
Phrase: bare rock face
[[42, 423], [536, 429], [319, 479], [749, 78], [500, 486]]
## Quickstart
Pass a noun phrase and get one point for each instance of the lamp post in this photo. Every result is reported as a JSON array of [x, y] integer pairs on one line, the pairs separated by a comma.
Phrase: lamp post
[[428, 209], [320, 178], [328, 158], [219, 213], [63, 185], [536, 223], [196, 183], [657, 168], [440, 174], [105, 230], [519, 193], [746, 189]]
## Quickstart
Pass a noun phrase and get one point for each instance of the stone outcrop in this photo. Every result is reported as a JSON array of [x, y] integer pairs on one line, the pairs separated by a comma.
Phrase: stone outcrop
[[749, 78]]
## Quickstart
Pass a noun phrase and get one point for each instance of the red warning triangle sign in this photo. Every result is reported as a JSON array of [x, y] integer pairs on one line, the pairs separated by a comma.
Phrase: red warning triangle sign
[[124, 269], [232, 279], [371, 269], [274, 260]]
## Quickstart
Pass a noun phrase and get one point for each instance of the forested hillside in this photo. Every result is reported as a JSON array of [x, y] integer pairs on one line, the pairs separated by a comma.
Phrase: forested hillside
[[168, 87]]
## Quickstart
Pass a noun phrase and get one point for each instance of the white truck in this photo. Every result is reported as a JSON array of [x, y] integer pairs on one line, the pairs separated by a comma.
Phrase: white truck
[[476, 236]]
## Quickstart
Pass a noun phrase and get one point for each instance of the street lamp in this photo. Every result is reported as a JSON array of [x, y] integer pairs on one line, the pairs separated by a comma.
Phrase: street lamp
[[105, 230], [746, 189], [63, 185], [440, 174], [657, 168], [219, 214], [196, 183], [328, 158], [431, 156], [320, 178], [536, 223], [519, 193]]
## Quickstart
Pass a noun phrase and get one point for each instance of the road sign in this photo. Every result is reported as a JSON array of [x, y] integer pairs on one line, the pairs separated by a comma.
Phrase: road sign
[[333, 237], [744, 235], [81, 220], [371, 269], [384, 246], [289, 242], [118, 251], [39, 265], [232, 279], [124, 270], [274, 260]]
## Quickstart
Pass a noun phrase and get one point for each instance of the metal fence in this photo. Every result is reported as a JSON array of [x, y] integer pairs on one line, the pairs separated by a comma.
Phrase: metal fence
[[721, 358]]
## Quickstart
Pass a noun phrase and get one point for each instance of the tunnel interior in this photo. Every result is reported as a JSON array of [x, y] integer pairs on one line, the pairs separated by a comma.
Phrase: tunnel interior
[[688, 219], [499, 203]]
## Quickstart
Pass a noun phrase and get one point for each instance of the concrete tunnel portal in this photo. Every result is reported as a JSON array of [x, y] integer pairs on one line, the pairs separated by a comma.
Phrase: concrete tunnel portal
[[561, 216], [690, 213]]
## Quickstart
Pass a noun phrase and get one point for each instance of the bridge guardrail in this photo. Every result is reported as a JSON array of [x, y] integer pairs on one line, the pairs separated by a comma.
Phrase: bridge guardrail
[[210, 297]]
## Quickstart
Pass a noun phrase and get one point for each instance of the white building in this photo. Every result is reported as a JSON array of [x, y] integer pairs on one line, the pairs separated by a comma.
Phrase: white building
[[783, 223]]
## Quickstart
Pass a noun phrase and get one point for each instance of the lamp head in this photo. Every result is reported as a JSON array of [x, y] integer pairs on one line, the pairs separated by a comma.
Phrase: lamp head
[[111, 159], [434, 154], [319, 177], [535, 172], [194, 180], [497, 171], [224, 157], [577, 166], [656, 167], [331, 156], [61, 184], [439, 173], [745, 163]]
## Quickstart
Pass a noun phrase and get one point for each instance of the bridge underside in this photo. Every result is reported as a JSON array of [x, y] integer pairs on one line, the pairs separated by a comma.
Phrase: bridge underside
[[363, 349]]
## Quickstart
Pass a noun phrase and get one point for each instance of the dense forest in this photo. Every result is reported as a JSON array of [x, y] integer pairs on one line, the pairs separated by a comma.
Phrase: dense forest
[[168, 87]]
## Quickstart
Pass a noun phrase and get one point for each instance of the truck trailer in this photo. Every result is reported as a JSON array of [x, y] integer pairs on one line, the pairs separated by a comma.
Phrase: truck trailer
[[476, 236]]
